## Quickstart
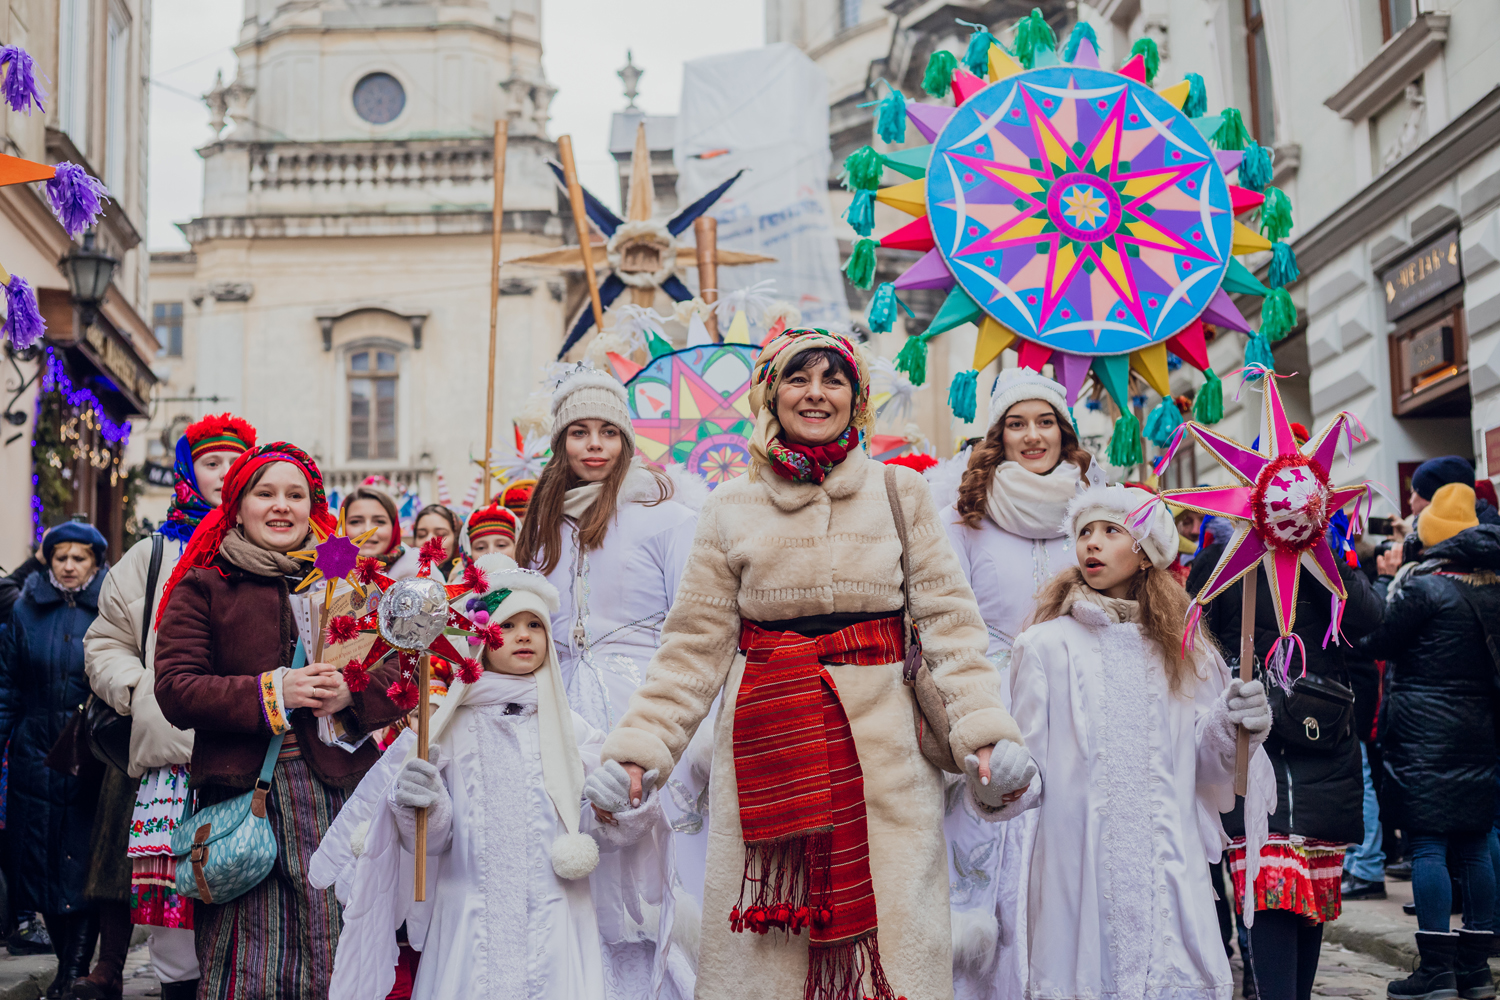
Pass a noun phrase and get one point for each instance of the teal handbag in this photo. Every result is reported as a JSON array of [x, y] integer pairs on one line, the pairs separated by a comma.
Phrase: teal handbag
[[224, 851]]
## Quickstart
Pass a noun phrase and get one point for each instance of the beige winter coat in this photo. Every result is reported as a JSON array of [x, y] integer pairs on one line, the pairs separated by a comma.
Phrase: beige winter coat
[[120, 672], [771, 549]]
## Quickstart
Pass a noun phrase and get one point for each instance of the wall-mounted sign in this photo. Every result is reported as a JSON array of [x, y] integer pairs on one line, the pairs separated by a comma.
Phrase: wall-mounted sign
[[124, 367], [1430, 364], [160, 475], [1421, 276], [1492, 452]]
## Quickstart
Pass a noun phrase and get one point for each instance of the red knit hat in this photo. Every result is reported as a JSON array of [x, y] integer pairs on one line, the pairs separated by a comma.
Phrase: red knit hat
[[220, 432], [517, 496], [492, 520]]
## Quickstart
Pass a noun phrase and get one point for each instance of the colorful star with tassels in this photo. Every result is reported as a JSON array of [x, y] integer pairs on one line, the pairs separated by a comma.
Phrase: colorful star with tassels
[[403, 691], [1077, 215], [1281, 503]]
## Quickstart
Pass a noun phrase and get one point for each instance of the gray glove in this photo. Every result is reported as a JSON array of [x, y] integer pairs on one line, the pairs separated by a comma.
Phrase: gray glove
[[609, 787], [418, 785], [1011, 767], [1247, 704]]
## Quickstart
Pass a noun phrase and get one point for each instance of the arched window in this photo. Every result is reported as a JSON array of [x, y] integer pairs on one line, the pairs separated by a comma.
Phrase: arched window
[[373, 378]]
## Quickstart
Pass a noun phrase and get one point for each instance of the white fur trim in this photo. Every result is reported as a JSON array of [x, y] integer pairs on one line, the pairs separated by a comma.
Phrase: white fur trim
[[688, 488], [1016, 384], [687, 924], [1157, 537], [976, 934], [502, 573], [945, 478], [574, 855], [357, 838]]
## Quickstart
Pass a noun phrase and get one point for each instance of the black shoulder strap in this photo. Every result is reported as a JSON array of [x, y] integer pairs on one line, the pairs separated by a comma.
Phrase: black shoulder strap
[[158, 541], [1493, 644]]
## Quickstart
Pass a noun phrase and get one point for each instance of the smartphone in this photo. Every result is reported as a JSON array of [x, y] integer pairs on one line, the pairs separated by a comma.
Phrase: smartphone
[[1381, 526]]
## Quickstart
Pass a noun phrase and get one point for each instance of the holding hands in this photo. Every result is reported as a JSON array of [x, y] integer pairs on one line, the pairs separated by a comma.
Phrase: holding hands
[[1000, 774], [318, 686], [616, 788]]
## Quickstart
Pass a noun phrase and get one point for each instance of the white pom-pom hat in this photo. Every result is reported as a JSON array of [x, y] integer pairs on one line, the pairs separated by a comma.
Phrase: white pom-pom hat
[[1153, 528], [589, 394], [1016, 384]]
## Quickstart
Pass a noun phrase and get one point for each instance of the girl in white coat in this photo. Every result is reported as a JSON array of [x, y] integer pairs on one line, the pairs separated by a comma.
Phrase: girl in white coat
[[1006, 526], [1134, 740], [512, 884]]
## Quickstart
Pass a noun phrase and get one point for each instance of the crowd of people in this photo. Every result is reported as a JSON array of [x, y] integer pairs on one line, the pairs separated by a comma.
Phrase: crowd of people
[[834, 730]]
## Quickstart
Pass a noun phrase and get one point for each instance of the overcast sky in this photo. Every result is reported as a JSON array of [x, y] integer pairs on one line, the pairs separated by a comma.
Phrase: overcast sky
[[583, 44]]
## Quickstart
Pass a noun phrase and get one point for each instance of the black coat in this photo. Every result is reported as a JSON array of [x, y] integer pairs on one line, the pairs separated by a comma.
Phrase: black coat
[[48, 816], [1319, 794], [1438, 722]]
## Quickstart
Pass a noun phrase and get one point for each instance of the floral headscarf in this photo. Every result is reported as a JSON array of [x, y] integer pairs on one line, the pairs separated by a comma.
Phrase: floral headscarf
[[766, 380], [221, 432]]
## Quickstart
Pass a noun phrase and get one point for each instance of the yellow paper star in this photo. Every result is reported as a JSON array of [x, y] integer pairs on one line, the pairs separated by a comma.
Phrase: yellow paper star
[[1085, 206]]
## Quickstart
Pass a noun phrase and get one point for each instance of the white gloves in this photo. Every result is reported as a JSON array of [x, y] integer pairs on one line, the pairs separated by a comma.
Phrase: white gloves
[[1011, 768], [1246, 705], [420, 786], [609, 787]]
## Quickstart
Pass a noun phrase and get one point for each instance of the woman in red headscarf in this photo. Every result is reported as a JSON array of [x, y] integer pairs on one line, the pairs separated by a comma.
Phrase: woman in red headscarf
[[227, 638]]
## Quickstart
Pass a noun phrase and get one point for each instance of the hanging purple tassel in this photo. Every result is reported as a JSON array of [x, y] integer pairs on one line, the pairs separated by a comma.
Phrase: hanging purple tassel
[[24, 325], [76, 195], [20, 88]]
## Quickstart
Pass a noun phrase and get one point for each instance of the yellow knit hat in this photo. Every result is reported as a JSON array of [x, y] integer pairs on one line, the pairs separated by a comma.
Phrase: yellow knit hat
[[1451, 511]]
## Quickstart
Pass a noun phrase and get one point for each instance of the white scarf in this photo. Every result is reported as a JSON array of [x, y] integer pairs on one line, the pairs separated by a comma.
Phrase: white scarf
[[639, 484], [1032, 506]]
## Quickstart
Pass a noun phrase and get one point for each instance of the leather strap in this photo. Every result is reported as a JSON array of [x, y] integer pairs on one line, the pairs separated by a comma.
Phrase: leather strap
[[913, 638], [198, 857], [157, 543]]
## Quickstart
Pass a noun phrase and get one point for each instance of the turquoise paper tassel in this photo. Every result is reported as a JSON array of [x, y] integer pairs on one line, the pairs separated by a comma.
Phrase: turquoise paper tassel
[[1163, 421], [861, 212], [1255, 168], [1080, 31], [963, 396], [1196, 105], [883, 306], [890, 124], [977, 55], [1258, 352], [1283, 269]]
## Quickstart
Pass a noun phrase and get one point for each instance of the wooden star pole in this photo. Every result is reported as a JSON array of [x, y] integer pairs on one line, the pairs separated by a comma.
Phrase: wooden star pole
[[497, 214], [581, 223], [706, 233]]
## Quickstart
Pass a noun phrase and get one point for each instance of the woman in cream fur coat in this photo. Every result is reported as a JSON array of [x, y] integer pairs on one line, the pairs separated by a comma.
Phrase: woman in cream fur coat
[[799, 556]]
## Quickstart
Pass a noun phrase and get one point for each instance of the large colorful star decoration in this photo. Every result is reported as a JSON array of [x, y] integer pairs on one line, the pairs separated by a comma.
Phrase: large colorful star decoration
[[1075, 214], [1280, 503]]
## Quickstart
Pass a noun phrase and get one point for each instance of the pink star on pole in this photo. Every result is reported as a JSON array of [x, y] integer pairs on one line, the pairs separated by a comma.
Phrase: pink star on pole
[[1281, 504], [336, 556]]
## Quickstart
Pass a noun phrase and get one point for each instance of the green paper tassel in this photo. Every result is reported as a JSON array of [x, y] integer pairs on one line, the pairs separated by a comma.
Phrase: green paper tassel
[[1196, 105], [1147, 47], [963, 395], [1258, 352], [977, 55], [863, 169], [1255, 168], [890, 123], [1231, 134], [861, 212], [1033, 34], [1125, 442], [1276, 215], [939, 75], [1080, 31], [860, 270], [1283, 266], [1162, 422], [882, 314], [913, 359], [1278, 315], [1208, 405]]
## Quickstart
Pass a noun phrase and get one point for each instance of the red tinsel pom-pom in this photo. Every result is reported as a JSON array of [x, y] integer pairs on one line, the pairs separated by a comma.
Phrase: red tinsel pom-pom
[[492, 635], [341, 629], [368, 570], [432, 551], [469, 670], [475, 579], [356, 676], [403, 694]]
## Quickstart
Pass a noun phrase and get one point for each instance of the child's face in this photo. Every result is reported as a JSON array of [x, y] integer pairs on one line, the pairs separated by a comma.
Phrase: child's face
[[1107, 556], [525, 646]]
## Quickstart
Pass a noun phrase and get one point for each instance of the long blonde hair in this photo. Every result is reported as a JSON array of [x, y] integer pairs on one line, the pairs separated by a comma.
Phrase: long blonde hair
[[1163, 615]]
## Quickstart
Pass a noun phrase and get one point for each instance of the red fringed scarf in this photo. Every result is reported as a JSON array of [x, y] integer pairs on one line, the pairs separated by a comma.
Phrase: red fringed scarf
[[218, 522], [805, 463], [802, 803]]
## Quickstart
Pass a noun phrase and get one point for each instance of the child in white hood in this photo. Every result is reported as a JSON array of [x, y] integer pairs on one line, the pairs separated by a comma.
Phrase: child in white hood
[[512, 910], [1134, 740]]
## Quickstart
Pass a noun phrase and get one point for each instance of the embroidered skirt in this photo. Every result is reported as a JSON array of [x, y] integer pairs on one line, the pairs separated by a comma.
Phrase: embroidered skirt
[[1296, 874], [160, 801], [276, 942]]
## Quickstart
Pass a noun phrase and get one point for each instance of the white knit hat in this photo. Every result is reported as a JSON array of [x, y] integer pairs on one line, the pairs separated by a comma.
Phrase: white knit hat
[[1016, 384], [588, 394], [1157, 536]]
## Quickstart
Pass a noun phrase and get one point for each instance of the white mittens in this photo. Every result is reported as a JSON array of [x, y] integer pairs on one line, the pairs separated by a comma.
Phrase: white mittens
[[1011, 768], [609, 787], [420, 786], [1247, 706]]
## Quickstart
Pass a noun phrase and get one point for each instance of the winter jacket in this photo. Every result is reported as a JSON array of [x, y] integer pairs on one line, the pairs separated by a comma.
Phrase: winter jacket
[[1438, 723], [42, 683], [768, 550], [224, 628], [1318, 793], [119, 671], [11, 584]]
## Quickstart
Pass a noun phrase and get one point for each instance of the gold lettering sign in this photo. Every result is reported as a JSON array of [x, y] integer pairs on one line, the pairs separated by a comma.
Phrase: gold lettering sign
[[120, 363], [1421, 277]]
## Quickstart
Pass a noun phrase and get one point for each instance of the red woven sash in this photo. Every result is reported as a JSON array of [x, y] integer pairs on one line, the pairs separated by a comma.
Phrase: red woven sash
[[802, 803]]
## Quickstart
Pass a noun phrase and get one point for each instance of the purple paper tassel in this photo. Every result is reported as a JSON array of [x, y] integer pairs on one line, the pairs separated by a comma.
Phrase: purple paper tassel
[[20, 87], [24, 325], [76, 195]]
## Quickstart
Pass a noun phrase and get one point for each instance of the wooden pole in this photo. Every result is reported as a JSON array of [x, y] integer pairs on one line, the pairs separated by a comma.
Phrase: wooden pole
[[323, 622], [1249, 584], [424, 681], [581, 223], [706, 232], [497, 214]]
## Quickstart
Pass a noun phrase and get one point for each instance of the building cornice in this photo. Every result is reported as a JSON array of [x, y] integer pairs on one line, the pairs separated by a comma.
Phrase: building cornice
[[1460, 143], [458, 223], [1394, 66], [249, 45]]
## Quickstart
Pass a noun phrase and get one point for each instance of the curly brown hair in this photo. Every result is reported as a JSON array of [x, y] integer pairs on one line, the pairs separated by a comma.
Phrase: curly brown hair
[[1163, 605], [973, 491]]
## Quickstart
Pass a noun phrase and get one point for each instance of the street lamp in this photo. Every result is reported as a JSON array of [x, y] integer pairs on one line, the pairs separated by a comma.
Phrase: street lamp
[[89, 272]]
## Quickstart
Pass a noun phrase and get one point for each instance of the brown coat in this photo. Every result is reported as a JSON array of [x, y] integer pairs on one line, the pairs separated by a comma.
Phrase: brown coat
[[223, 629]]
